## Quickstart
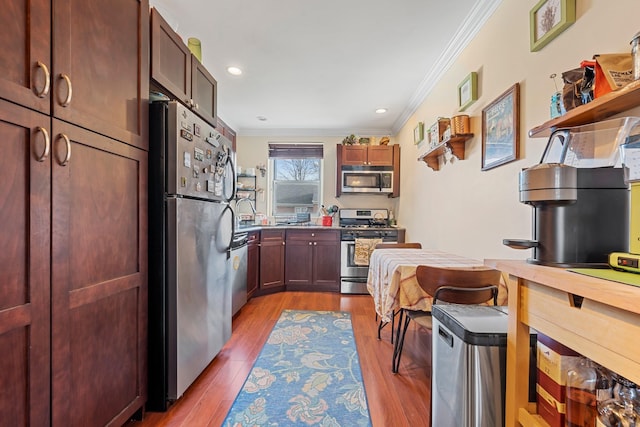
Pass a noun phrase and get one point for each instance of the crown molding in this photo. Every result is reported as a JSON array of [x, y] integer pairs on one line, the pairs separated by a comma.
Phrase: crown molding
[[313, 132], [467, 31]]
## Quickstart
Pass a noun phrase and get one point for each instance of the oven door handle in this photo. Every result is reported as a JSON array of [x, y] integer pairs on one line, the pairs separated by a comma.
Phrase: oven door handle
[[355, 279]]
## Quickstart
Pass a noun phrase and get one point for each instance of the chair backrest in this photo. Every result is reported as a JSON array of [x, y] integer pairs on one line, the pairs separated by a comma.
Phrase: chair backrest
[[411, 245], [461, 286]]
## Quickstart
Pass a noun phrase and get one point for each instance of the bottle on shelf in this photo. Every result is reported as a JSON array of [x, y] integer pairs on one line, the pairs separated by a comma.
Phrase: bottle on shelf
[[621, 410], [581, 395]]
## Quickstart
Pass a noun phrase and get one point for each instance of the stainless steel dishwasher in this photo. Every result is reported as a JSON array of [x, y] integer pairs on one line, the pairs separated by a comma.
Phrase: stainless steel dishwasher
[[237, 270]]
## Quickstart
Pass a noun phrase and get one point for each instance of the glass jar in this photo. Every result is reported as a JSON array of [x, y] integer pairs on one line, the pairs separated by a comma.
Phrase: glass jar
[[635, 55], [581, 395], [621, 410]]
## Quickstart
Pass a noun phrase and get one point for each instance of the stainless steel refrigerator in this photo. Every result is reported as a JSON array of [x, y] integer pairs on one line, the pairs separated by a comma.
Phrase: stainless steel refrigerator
[[191, 181]]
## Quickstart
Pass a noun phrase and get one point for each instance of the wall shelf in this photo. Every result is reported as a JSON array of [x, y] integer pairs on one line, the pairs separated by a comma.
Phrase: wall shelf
[[600, 108], [457, 143], [251, 191]]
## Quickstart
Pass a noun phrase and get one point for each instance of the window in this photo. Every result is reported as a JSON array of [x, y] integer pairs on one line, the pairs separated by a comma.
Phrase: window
[[297, 179]]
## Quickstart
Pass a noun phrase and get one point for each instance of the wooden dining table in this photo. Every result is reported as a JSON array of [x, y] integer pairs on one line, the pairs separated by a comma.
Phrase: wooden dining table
[[392, 278]]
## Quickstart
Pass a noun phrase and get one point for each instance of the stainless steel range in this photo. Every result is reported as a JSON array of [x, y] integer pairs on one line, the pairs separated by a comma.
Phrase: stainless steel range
[[360, 224]]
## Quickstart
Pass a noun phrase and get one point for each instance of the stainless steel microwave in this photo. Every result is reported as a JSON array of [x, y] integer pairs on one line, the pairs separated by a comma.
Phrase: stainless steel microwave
[[367, 181]]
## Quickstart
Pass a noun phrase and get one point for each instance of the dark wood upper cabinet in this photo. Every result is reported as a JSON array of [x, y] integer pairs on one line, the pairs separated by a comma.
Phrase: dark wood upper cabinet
[[25, 73], [203, 91], [170, 59], [366, 155], [177, 71], [99, 50]]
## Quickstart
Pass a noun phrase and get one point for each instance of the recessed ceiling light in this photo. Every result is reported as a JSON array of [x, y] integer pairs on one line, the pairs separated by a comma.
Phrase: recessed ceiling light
[[381, 110], [261, 118], [234, 71]]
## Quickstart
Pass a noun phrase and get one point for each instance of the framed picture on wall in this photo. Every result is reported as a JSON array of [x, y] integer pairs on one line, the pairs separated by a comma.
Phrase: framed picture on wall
[[468, 91], [418, 133], [548, 19], [501, 129]]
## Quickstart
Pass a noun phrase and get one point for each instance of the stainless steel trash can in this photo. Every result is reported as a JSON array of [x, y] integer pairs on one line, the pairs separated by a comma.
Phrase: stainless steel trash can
[[468, 365]]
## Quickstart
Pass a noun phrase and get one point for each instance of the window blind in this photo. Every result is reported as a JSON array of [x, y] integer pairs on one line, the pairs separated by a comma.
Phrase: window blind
[[296, 151]]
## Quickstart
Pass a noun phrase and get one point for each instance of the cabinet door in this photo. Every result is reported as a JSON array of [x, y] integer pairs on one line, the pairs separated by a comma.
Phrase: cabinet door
[[25, 33], [170, 59], [203, 92], [101, 65], [380, 155], [99, 278], [271, 259], [326, 261], [354, 155], [299, 263], [253, 263], [24, 267]]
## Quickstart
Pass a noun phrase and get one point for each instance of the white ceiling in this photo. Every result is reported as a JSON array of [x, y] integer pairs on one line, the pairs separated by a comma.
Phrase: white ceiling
[[323, 67]]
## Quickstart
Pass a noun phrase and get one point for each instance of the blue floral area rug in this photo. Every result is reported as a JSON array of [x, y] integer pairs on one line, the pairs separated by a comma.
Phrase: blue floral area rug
[[307, 374]]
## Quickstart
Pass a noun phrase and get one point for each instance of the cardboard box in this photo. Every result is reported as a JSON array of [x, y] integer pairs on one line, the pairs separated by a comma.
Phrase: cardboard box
[[550, 409], [554, 360]]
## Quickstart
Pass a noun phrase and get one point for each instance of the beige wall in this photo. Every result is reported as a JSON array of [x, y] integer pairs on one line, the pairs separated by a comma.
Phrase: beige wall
[[461, 209]]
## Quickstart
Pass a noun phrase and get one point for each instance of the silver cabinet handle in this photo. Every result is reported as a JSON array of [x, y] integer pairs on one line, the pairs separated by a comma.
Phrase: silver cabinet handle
[[67, 100], [47, 81], [315, 243], [310, 243], [47, 144], [68, 144]]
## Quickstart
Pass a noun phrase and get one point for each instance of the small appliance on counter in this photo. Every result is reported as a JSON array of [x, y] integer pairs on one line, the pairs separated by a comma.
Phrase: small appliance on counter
[[630, 261], [579, 197]]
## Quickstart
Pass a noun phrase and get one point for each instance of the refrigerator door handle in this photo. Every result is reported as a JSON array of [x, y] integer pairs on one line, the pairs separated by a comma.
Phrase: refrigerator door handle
[[233, 176], [233, 222]]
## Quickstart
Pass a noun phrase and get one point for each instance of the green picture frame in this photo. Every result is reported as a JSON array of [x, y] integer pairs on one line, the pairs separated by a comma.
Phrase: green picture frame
[[548, 19], [468, 91], [418, 133]]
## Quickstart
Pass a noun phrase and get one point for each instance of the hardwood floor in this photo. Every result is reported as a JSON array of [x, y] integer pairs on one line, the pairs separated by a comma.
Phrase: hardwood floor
[[394, 400]]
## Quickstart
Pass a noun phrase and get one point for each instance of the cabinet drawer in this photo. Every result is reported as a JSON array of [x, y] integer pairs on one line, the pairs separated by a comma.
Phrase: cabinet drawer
[[271, 235], [315, 235]]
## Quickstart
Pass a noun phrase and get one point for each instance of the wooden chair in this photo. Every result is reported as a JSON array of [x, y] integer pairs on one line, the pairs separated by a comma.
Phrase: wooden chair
[[459, 286], [408, 245]]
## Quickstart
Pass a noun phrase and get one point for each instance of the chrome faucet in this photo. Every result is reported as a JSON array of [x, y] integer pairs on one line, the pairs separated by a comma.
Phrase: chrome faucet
[[253, 208], [237, 211]]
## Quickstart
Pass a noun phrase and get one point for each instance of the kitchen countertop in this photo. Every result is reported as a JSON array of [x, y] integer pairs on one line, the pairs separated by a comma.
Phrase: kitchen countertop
[[254, 227], [284, 226]]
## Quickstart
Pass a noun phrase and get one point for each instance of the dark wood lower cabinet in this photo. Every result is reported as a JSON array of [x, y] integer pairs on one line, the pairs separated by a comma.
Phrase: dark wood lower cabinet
[[272, 260], [312, 260], [99, 278], [73, 274], [25, 210]]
